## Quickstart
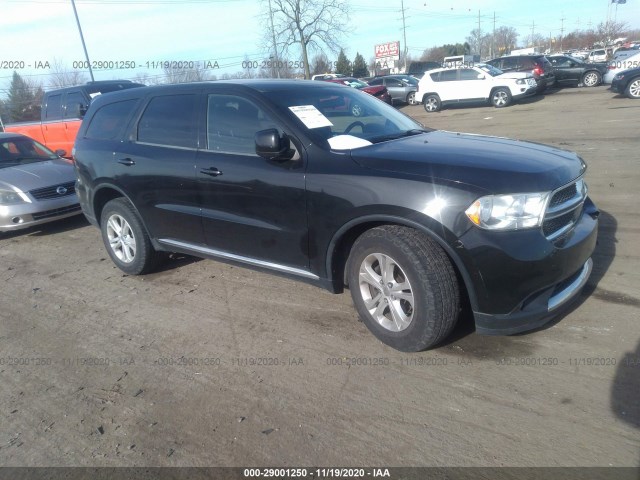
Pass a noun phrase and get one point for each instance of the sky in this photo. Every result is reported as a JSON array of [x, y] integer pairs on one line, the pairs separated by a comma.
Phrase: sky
[[124, 33]]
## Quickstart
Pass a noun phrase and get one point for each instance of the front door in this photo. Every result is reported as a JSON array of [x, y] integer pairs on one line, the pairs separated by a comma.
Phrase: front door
[[251, 207]]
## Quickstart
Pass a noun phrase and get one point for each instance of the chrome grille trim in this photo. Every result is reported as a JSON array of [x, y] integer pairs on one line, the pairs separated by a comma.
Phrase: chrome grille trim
[[48, 193], [564, 208]]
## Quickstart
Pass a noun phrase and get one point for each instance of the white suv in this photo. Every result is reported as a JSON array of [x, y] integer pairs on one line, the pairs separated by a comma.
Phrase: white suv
[[479, 83]]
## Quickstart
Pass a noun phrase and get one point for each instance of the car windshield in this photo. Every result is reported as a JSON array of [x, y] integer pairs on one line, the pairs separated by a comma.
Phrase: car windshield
[[352, 82], [343, 118], [21, 151], [490, 69]]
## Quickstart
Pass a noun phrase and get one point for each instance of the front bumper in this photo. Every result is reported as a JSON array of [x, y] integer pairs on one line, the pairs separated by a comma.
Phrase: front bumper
[[25, 215], [521, 280]]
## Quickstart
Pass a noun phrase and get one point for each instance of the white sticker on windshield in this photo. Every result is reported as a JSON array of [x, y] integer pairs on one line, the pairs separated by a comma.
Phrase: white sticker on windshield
[[94, 95], [347, 142], [311, 116]]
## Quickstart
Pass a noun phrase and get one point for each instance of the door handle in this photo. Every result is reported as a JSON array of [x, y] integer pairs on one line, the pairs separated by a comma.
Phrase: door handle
[[213, 172], [126, 161]]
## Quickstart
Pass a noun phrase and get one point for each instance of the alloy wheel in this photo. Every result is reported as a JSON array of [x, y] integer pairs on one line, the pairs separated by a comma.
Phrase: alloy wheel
[[121, 238]]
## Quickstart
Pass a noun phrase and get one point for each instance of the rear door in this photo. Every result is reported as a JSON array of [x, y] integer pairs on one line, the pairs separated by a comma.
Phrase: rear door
[[251, 207], [397, 89], [53, 130], [156, 166]]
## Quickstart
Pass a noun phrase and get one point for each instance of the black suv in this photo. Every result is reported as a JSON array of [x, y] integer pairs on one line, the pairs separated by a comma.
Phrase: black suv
[[280, 176], [536, 65]]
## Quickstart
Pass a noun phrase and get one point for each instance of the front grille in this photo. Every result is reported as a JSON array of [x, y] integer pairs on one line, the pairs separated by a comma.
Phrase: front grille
[[48, 193], [563, 195], [56, 211], [564, 209]]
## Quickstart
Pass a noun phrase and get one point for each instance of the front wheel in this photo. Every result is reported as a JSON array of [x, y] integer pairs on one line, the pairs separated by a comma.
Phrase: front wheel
[[411, 98], [125, 238], [432, 103], [591, 79], [501, 97], [403, 287], [633, 89]]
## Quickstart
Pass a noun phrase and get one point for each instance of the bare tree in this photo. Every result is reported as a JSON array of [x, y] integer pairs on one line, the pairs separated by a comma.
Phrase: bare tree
[[185, 75], [504, 40], [320, 64], [480, 43], [609, 30], [307, 24], [63, 76]]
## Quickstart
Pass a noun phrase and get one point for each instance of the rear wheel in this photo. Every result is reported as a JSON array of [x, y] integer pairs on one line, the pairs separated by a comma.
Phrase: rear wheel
[[432, 103], [591, 79], [126, 239], [633, 89], [403, 287], [357, 110], [411, 98], [501, 97]]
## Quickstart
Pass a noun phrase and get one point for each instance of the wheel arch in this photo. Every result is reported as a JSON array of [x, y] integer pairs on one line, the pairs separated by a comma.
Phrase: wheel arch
[[429, 93], [343, 240]]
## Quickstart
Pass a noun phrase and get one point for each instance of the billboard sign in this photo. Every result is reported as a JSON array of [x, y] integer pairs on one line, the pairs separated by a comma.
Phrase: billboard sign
[[390, 49]]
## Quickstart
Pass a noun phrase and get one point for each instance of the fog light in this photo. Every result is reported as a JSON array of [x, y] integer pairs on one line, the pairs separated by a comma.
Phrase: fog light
[[16, 220]]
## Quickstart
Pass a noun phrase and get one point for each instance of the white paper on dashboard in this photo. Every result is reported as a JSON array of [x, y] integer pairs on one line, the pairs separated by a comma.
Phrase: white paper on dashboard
[[311, 116], [347, 142]]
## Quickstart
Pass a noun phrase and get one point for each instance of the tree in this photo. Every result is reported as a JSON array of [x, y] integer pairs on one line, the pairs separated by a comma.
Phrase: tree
[[360, 67], [343, 66], [185, 75], [504, 40], [307, 24], [62, 76], [437, 54], [610, 30], [478, 42], [320, 64], [24, 100]]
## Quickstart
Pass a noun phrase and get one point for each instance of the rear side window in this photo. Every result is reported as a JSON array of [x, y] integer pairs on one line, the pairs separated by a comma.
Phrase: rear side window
[[54, 107], [170, 120], [448, 75], [108, 121]]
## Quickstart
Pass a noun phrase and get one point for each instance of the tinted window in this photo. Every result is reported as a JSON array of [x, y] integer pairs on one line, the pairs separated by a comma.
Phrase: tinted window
[[54, 107], [74, 101], [509, 63], [232, 123], [469, 74], [375, 81], [448, 75], [392, 82], [170, 120], [108, 122]]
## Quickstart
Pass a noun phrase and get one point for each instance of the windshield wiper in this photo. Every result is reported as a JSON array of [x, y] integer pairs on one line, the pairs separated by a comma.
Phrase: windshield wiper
[[19, 159], [396, 135]]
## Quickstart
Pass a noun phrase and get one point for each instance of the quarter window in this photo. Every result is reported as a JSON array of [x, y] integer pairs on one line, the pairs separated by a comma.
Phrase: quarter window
[[170, 120], [108, 122]]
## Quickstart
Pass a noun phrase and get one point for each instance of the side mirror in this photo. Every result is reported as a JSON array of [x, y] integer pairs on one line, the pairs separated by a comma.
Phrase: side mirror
[[480, 76], [82, 110], [270, 145], [60, 152]]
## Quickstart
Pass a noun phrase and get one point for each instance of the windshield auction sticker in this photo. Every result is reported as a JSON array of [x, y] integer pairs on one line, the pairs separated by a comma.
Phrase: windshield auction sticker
[[311, 116]]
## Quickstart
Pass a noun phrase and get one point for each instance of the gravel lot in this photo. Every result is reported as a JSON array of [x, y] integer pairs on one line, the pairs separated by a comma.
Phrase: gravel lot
[[207, 364]]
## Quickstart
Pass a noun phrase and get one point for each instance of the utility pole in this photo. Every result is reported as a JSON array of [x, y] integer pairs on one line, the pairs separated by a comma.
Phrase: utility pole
[[493, 37], [561, 32], [479, 37], [533, 28], [86, 55], [404, 33], [275, 46]]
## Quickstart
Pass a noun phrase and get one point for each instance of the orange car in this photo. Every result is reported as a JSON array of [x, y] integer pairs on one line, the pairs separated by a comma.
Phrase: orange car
[[62, 112]]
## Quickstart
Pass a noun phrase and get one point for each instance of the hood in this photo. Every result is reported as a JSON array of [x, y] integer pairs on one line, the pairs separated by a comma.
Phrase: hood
[[374, 90], [497, 165], [37, 175]]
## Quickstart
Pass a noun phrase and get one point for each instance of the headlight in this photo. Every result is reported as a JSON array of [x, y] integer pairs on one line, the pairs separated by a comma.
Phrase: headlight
[[619, 76], [508, 212], [9, 197], [520, 81]]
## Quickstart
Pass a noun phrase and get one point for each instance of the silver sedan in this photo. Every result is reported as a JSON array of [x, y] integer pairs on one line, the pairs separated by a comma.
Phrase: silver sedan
[[36, 185]]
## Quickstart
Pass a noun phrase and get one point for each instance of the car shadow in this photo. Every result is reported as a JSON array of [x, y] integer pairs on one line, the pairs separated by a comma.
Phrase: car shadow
[[462, 338], [50, 228], [625, 401]]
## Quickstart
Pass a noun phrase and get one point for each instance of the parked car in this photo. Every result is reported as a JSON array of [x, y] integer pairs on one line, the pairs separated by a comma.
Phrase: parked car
[[627, 83], [572, 71], [378, 91], [616, 66], [61, 114], [536, 65], [36, 185], [417, 69], [598, 55], [478, 84], [402, 88], [417, 222]]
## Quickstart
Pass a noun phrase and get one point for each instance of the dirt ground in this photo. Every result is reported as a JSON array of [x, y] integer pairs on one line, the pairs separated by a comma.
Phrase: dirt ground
[[207, 364]]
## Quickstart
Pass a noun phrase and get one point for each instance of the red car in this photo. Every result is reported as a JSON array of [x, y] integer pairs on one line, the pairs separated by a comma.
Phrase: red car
[[378, 91]]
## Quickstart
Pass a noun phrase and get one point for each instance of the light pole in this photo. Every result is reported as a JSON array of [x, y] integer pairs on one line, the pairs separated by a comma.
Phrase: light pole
[[86, 55]]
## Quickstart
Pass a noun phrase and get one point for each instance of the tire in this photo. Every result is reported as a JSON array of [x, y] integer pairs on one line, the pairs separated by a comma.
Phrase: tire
[[357, 110], [501, 97], [633, 89], [419, 305], [411, 98], [126, 240], [432, 103], [591, 79]]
